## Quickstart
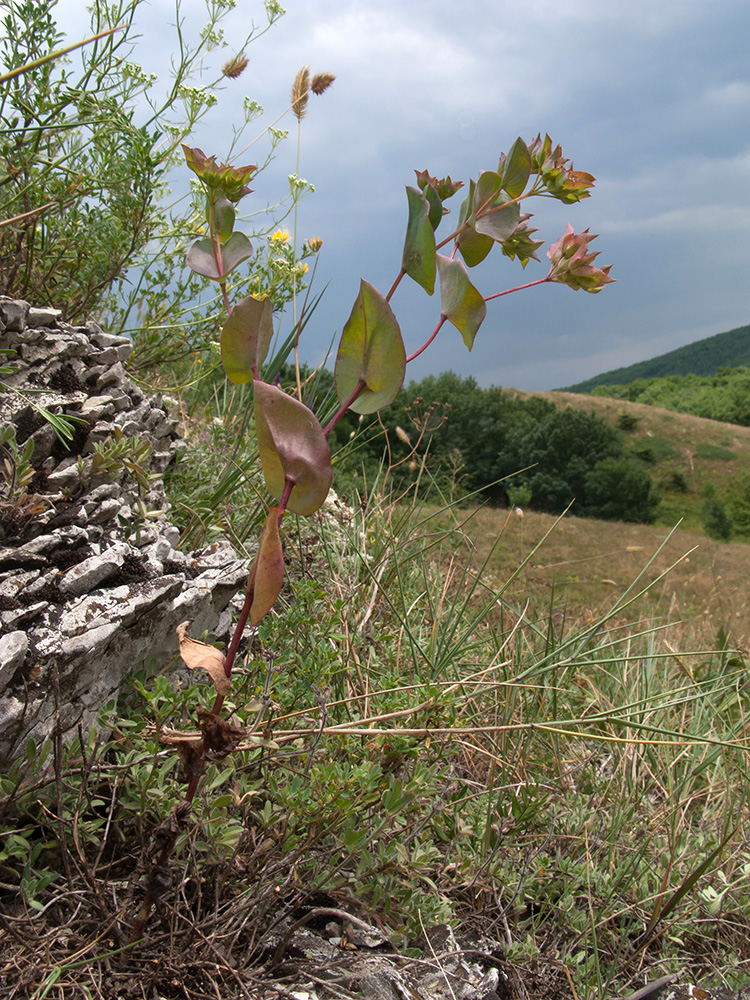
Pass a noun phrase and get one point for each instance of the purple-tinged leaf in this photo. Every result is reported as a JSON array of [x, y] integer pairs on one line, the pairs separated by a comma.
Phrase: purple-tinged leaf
[[493, 216], [267, 571], [419, 246], [371, 351], [292, 449], [201, 257], [461, 303], [245, 338]]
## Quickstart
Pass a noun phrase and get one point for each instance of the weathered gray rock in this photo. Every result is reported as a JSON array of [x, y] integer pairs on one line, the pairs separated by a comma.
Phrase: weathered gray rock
[[89, 589]]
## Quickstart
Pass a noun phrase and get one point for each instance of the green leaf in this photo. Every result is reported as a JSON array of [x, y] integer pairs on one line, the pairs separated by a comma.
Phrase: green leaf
[[371, 351], [493, 217], [436, 206], [223, 215], [474, 246], [292, 448], [419, 247], [517, 168], [200, 256], [245, 338], [462, 304], [466, 212]]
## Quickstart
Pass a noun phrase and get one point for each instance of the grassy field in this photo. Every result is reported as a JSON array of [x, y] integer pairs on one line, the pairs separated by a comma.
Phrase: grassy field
[[582, 567]]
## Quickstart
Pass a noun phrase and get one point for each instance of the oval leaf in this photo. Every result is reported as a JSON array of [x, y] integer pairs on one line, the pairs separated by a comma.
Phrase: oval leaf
[[418, 260], [245, 338], [198, 655], [517, 168], [493, 217], [267, 572], [224, 214], [474, 246], [436, 206], [371, 351], [292, 448], [462, 304]]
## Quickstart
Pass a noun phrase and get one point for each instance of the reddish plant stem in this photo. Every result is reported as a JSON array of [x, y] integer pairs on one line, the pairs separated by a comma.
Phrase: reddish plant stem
[[518, 288], [343, 408], [429, 340], [395, 284]]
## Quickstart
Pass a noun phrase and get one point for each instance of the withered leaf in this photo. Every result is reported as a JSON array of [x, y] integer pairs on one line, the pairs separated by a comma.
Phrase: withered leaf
[[198, 655], [267, 572], [218, 734]]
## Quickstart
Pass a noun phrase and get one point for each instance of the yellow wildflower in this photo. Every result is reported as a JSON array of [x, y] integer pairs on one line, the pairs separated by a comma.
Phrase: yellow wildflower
[[280, 237]]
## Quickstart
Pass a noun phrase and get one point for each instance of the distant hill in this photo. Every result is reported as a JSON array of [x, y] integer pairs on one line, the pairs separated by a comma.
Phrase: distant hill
[[704, 357]]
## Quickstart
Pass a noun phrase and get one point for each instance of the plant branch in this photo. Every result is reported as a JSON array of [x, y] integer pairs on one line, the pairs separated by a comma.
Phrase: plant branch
[[429, 340], [343, 408]]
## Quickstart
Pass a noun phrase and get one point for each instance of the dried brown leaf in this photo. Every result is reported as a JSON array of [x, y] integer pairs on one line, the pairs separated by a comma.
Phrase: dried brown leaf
[[198, 655]]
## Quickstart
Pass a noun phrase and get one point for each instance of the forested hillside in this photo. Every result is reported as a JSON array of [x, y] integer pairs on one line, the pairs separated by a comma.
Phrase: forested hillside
[[703, 357], [613, 459]]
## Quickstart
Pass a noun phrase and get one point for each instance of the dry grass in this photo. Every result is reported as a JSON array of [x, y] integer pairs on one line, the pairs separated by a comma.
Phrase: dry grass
[[583, 566]]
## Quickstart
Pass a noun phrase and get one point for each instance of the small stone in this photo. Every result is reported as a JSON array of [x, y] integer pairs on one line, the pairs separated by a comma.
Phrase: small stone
[[14, 314], [111, 355], [43, 317], [98, 407], [13, 647], [105, 511], [9, 619], [92, 572], [111, 376]]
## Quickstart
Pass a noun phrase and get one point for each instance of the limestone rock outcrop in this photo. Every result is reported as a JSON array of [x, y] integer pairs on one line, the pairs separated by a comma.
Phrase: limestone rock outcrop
[[92, 580]]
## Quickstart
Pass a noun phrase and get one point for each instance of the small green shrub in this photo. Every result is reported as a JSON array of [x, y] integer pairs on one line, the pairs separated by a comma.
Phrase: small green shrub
[[713, 453]]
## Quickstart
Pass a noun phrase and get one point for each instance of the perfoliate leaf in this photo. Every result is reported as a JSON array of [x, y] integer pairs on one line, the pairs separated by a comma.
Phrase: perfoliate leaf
[[436, 206], [371, 351], [517, 168], [198, 655], [267, 572], [245, 338], [419, 246], [474, 246], [466, 212], [201, 257], [461, 303], [223, 215], [292, 448], [493, 217]]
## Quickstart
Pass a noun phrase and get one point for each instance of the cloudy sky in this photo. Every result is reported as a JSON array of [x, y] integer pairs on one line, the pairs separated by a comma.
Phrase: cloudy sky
[[650, 96]]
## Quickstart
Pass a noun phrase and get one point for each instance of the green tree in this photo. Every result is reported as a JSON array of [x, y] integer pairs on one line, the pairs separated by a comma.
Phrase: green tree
[[620, 489]]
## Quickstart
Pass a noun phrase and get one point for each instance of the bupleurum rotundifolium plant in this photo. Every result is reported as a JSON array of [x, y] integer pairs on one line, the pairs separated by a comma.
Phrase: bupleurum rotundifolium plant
[[369, 369]]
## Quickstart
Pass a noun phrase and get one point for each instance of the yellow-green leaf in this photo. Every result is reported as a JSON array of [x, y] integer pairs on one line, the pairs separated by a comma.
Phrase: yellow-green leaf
[[419, 246], [462, 304], [292, 448], [371, 351], [245, 338], [517, 168]]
